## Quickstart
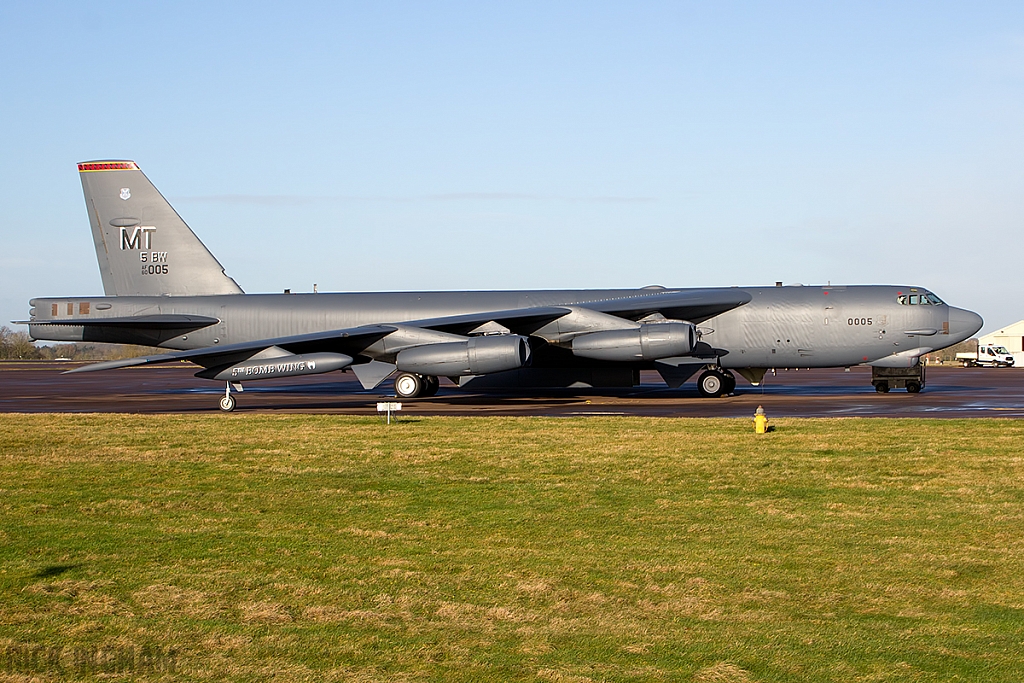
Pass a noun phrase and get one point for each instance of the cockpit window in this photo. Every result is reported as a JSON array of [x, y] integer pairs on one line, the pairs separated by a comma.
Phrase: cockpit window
[[927, 299]]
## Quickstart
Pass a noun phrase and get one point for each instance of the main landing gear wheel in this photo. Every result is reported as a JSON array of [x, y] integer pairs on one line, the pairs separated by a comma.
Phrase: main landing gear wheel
[[409, 385], [712, 384], [431, 385], [730, 382], [883, 387]]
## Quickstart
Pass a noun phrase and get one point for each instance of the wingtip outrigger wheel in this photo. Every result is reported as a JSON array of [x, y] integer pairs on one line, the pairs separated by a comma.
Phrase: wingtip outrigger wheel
[[227, 401]]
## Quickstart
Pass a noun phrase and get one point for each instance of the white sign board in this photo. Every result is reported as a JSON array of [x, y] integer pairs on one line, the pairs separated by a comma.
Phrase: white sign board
[[388, 407]]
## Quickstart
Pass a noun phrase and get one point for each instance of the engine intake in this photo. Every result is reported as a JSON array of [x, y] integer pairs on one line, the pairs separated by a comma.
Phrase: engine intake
[[650, 341], [475, 356]]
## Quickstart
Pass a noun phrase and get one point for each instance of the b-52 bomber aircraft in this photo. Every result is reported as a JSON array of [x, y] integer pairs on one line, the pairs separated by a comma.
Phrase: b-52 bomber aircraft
[[163, 288]]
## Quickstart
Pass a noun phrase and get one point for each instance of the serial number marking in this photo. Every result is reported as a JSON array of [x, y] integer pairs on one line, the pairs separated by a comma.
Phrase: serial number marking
[[859, 321], [154, 269]]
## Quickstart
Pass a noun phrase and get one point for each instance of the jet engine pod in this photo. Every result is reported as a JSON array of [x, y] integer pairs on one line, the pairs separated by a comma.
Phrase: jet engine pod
[[282, 366], [650, 341], [475, 356]]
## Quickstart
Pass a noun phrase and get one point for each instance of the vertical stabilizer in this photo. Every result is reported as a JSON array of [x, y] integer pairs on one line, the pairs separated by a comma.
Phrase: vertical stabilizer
[[143, 246]]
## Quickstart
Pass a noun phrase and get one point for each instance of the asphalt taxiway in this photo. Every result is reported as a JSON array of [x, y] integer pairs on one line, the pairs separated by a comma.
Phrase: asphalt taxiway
[[40, 387]]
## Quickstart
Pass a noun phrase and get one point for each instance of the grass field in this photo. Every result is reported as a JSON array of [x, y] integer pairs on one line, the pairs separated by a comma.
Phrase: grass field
[[596, 549]]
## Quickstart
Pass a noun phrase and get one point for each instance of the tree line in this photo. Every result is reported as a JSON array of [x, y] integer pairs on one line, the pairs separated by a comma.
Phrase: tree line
[[19, 346], [948, 354]]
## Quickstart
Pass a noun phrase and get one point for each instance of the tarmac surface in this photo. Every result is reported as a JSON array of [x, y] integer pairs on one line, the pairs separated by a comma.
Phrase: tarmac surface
[[951, 392]]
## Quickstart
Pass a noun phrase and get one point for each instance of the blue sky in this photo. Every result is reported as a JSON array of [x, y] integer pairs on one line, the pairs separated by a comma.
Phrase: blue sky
[[368, 146]]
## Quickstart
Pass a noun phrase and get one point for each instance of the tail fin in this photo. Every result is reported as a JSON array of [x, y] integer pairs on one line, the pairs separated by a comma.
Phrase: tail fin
[[143, 246]]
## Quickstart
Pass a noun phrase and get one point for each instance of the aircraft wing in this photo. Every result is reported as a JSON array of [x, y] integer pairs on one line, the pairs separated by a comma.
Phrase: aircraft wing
[[691, 305], [351, 341], [694, 306]]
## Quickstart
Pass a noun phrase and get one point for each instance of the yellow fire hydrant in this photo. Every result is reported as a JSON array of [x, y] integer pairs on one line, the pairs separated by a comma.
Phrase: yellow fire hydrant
[[760, 421]]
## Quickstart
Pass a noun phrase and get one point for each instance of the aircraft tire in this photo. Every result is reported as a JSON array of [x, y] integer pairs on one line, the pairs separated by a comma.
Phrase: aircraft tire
[[711, 384], [227, 403], [431, 385], [409, 385], [882, 387], [913, 388], [730, 382]]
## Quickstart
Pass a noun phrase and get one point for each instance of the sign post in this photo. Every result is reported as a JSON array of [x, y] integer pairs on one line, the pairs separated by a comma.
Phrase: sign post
[[388, 407]]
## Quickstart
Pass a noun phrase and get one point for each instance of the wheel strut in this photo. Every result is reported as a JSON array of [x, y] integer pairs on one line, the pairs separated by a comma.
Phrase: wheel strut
[[227, 401]]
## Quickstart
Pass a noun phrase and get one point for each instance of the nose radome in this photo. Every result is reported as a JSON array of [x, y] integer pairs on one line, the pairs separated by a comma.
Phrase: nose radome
[[963, 324]]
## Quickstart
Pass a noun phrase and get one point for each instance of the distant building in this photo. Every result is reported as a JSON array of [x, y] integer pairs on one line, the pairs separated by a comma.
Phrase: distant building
[[1012, 337]]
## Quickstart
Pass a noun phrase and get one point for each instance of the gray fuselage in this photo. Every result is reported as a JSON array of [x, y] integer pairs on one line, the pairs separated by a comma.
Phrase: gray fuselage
[[780, 327]]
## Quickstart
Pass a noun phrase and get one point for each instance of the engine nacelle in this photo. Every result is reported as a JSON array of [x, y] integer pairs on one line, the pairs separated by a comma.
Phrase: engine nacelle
[[650, 341], [475, 356], [290, 365]]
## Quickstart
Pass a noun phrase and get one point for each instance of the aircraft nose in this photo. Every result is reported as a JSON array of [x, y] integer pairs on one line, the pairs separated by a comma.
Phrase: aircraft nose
[[963, 324]]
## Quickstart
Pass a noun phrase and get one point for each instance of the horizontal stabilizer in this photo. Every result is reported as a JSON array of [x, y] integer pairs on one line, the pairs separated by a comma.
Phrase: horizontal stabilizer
[[152, 322]]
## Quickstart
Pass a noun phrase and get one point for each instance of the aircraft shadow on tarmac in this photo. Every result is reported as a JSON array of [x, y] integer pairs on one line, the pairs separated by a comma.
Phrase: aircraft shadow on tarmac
[[845, 390], [453, 397], [952, 392], [321, 388]]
